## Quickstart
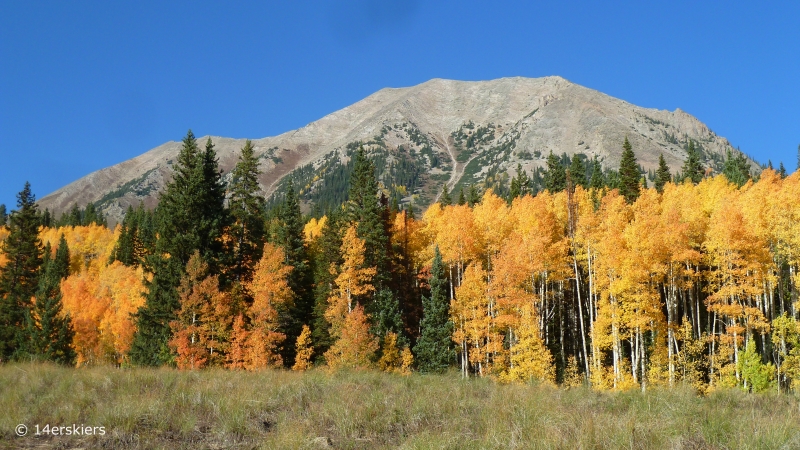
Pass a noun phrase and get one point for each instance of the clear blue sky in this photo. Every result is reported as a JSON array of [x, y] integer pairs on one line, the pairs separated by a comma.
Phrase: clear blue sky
[[84, 85]]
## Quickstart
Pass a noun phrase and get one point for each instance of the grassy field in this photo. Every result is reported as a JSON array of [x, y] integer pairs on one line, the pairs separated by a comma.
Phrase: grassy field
[[163, 408]]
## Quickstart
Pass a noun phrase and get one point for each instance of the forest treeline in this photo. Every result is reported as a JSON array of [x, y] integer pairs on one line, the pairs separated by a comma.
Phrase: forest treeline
[[622, 286]]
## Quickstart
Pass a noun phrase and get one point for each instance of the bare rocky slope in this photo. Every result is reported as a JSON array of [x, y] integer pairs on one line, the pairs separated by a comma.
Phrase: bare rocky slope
[[441, 131]]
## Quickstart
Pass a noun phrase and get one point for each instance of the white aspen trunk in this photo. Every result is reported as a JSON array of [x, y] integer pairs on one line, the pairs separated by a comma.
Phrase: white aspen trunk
[[580, 315]]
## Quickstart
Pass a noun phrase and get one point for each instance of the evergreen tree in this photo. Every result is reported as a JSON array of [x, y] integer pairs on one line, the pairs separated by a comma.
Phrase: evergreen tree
[[190, 217], [555, 177], [288, 234], [736, 169], [597, 180], [577, 171], [3, 215], [46, 219], [462, 200], [520, 185], [387, 316], [798, 157], [92, 215], [124, 251], [247, 232], [434, 350], [782, 170], [19, 278], [326, 256], [629, 175], [73, 218], [662, 174], [48, 333], [474, 197], [370, 215], [692, 168], [444, 199]]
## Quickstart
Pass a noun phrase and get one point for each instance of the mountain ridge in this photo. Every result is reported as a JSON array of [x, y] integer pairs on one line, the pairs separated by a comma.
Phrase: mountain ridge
[[440, 131]]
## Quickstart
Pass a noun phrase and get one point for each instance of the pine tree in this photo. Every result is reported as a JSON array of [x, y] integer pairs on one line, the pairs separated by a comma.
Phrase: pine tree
[[288, 234], [19, 278], [373, 225], [246, 208], [3, 215], [444, 199], [462, 200], [92, 215], [662, 174], [327, 256], [555, 177], [48, 333], [520, 185], [190, 217], [782, 170], [577, 170], [434, 350], [474, 197], [692, 168], [629, 175], [736, 168], [597, 180]]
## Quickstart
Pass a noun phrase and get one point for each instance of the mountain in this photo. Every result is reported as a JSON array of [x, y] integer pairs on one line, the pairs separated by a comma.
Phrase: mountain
[[420, 137]]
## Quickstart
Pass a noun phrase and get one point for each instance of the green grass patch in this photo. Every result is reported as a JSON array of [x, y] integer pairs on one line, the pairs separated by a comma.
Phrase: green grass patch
[[164, 408]]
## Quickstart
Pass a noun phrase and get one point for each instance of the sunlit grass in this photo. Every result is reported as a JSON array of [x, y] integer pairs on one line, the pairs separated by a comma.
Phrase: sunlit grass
[[164, 408]]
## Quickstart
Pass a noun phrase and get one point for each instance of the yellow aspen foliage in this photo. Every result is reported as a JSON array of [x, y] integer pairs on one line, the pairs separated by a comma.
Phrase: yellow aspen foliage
[[200, 332], [477, 338], [494, 222], [453, 229], [356, 346], [270, 291], [3, 235], [390, 356], [304, 350], [313, 229], [100, 304], [90, 246], [352, 281], [407, 361], [530, 359], [237, 352]]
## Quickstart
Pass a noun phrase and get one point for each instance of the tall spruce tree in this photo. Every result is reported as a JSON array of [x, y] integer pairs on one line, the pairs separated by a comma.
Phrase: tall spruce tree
[[326, 256], [364, 208], [434, 350], [288, 233], [462, 199], [692, 169], [555, 176], [629, 175], [597, 180], [190, 217], [736, 168], [445, 199], [246, 206], [577, 171], [3, 215], [48, 333], [19, 278], [520, 185], [474, 197], [662, 174]]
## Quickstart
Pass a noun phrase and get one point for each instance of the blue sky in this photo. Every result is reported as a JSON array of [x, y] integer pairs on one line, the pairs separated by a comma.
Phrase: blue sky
[[84, 85]]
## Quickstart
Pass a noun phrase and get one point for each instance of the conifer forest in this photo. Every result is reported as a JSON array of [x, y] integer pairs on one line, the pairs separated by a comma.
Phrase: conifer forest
[[612, 280]]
